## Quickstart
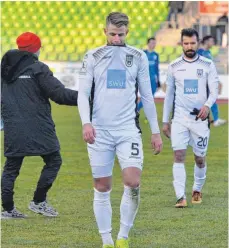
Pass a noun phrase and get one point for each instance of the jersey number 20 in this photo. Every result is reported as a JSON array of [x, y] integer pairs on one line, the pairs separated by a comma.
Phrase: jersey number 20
[[202, 142]]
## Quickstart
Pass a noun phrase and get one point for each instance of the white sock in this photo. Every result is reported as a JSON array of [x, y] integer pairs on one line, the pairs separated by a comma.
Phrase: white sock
[[103, 215], [179, 180], [199, 178], [128, 210]]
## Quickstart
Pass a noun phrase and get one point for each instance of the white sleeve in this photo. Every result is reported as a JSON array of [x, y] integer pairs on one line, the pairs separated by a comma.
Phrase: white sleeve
[[147, 99], [85, 86], [213, 83], [169, 97]]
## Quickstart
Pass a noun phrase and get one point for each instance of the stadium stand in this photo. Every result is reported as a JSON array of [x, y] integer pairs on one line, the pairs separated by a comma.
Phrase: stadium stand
[[68, 29]]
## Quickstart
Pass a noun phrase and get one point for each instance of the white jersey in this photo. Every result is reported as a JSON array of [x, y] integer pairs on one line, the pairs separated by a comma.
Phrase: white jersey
[[190, 84], [110, 79]]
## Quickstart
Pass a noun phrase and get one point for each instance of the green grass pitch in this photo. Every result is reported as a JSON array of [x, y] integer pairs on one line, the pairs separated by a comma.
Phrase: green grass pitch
[[158, 223]]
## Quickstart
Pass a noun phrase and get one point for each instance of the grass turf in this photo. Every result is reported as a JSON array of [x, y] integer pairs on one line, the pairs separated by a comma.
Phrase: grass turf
[[158, 223]]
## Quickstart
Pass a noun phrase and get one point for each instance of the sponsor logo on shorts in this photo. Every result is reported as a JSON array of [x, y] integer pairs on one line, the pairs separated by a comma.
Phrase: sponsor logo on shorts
[[134, 157]]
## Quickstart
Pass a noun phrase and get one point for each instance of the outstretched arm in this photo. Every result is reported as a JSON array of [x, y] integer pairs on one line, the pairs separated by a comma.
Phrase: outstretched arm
[[54, 89]]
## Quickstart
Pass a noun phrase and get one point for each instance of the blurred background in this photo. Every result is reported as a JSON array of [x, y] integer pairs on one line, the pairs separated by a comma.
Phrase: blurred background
[[69, 28]]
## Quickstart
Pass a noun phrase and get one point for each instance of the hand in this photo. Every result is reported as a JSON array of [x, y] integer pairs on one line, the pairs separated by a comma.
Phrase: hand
[[156, 143], [166, 129], [89, 133], [204, 111]]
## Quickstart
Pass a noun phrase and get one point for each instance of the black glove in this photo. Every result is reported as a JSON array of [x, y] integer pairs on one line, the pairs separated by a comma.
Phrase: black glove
[[195, 112]]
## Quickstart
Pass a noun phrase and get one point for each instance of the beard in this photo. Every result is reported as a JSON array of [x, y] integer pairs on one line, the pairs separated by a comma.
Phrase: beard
[[190, 53]]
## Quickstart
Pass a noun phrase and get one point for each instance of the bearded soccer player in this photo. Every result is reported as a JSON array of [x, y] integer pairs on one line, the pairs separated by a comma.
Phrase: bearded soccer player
[[109, 81], [192, 88]]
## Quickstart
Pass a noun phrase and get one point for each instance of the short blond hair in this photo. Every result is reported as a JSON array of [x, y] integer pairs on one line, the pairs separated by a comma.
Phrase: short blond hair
[[118, 19]]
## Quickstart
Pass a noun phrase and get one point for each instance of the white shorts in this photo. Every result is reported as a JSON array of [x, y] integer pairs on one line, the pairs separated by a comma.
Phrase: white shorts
[[191, 133], [127, 144]]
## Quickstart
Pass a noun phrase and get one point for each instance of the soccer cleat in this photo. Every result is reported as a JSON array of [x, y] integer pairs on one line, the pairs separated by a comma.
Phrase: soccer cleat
[[219, 122], [108, 246], [43, 208], [181, 203], [122, 243], [14, 214], [196, 197]]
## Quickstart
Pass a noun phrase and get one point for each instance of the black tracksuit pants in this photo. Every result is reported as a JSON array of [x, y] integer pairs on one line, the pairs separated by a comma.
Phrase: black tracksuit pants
[[11, 171]]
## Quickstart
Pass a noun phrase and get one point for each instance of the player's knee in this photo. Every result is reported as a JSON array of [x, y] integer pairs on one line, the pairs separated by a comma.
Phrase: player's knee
[[132, 177], [200, 161], [132, 183], [102, 184], [179, 156]]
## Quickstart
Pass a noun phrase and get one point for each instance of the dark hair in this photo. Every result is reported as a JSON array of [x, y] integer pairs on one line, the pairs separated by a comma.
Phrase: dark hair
[[149, 39], [118, 19], [206, 38], [189, 32]]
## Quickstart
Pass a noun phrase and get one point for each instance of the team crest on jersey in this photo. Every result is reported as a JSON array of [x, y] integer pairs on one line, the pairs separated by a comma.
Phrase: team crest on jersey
[[200, 73], [129, 60]]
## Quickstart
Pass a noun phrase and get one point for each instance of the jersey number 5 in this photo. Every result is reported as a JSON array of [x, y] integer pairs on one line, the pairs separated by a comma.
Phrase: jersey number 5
[[135, 149]]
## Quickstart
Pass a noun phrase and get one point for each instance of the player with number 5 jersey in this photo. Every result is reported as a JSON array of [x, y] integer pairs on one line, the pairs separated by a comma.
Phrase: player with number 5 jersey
[[110, 78], [192, 88]]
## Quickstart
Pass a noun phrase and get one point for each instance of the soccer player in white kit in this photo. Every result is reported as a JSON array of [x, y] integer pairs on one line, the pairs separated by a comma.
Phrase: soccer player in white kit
[[110, 78], [192, 88]]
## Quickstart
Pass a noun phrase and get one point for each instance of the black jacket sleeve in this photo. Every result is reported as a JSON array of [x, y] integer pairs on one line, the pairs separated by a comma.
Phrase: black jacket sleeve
[[53, 88]]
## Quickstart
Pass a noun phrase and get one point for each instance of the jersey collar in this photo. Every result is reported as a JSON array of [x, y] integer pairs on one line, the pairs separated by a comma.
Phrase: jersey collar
[[124, 45], [191, 61]]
